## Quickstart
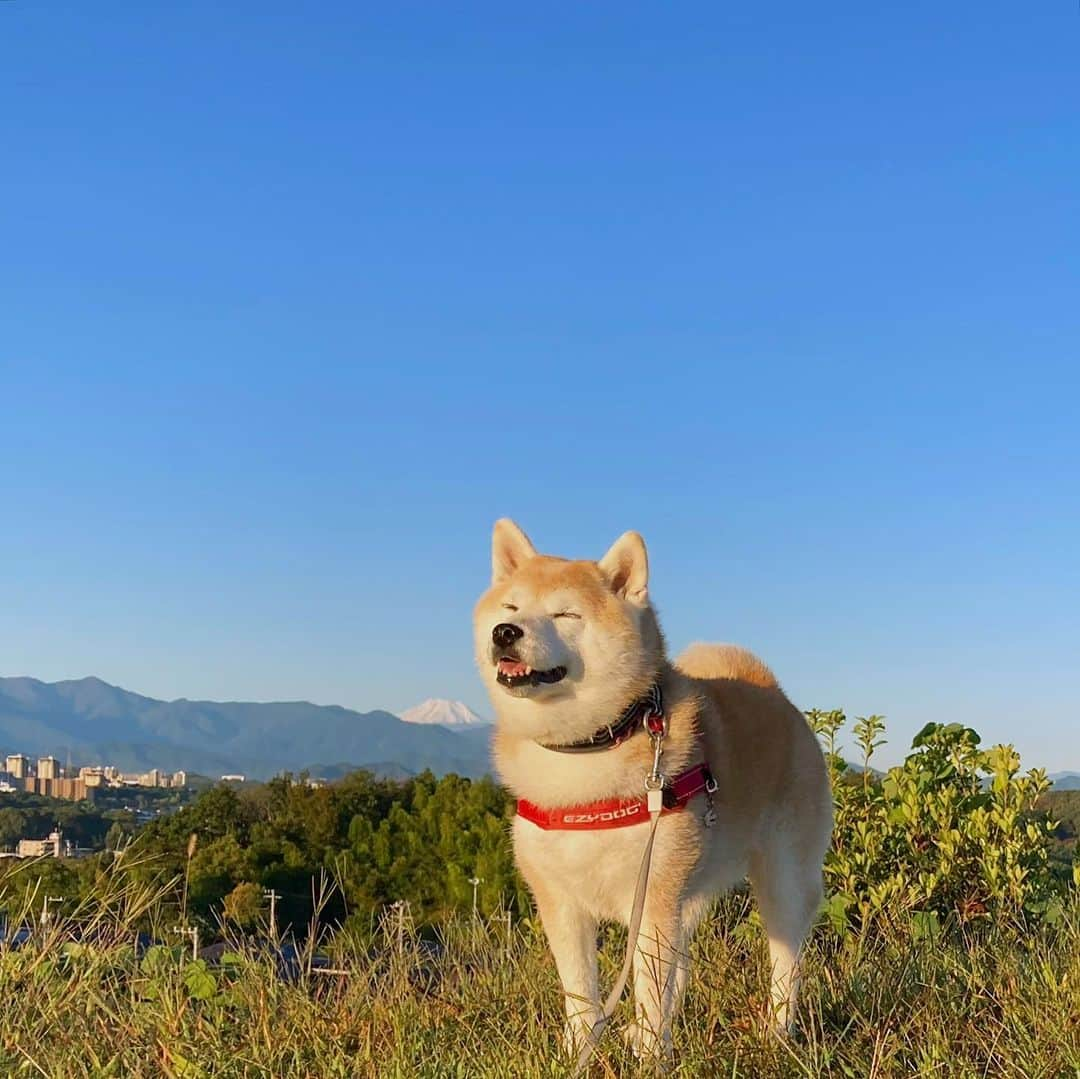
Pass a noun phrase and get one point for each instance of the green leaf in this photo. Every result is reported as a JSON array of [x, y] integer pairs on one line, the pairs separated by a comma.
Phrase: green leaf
[[186, 1069], [924, 735], [1055, 912], [159, 958], [200, 983], [925, 925], [836, 911]]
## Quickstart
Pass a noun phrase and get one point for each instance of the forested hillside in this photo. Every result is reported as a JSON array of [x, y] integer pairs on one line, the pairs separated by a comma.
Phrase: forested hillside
[[378, 840], [939, 835]]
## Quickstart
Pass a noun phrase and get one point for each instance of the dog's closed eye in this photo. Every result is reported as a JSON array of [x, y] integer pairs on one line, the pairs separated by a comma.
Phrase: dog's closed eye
[[566, 614]]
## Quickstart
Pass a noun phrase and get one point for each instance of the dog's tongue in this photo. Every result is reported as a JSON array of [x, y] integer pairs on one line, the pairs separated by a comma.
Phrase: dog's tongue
[[512, 668]]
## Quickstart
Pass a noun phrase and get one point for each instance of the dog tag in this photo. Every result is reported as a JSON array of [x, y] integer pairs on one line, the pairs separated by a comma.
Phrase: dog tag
[[656, 800], [709, 819]]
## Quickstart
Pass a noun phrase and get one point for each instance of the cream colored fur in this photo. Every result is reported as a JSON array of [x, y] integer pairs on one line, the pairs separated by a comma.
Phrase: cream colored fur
[[773, 804]]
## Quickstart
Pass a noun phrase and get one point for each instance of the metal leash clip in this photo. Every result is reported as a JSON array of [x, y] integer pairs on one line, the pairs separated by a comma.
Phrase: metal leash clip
[[656, 724], [709, 816]]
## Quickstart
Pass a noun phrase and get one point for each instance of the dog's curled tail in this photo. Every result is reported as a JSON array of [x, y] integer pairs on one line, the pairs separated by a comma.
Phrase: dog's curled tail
[[703, 660]]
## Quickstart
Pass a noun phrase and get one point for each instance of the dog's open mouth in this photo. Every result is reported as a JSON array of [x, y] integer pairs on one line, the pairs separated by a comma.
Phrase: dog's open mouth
[[513, 673]]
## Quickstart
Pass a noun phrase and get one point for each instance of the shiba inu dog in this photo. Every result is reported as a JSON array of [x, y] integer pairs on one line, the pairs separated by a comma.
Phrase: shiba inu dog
[[588, 708]]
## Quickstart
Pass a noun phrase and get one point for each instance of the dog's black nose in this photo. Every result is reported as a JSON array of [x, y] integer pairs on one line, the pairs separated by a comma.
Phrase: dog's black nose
[[504, 634]]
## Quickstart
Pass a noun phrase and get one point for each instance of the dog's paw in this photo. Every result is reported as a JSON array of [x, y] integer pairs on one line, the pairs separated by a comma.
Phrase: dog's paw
[[576, 1032], [645, 1043], [781, 1031]]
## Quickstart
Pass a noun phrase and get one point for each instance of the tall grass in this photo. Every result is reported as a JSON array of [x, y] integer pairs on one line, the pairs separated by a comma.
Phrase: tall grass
[[483, 1000], [950, 946]]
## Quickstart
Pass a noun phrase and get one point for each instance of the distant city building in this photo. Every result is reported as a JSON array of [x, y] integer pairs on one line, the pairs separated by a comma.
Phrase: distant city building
[[18, 765], [233, 778], [54, 781], [98, 775], [153, 778], [74, 790], [52, 847]]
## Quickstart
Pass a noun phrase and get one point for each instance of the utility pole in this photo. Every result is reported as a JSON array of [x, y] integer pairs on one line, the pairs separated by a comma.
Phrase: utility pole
[[475, 882], [190, 931], [273, 897], [45, 907]]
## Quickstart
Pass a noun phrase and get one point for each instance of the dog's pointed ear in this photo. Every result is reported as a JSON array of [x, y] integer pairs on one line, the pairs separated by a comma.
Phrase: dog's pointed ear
[[510, 547], [626, 567]]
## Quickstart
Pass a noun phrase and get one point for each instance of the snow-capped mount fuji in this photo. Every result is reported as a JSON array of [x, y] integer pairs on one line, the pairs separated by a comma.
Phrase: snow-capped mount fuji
[[453, 714]]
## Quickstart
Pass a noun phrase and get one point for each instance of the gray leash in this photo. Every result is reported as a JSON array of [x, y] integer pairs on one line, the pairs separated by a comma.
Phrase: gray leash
[[612, 1002]]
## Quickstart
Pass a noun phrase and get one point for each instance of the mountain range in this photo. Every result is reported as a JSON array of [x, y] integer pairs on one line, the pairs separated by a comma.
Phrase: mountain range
[[94, 722]]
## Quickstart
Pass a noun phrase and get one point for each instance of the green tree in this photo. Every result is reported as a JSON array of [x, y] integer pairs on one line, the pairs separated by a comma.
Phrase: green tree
[[243, 906], [12, 826]]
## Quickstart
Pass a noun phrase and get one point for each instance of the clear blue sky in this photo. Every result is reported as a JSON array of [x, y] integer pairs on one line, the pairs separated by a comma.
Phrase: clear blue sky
[[296, 299]]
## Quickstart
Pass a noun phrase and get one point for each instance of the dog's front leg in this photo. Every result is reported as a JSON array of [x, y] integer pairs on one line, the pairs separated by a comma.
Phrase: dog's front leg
[[656, 965], [571, 933]]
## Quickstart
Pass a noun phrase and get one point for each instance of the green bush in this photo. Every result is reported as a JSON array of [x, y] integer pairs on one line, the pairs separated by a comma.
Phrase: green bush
[[951, 834]]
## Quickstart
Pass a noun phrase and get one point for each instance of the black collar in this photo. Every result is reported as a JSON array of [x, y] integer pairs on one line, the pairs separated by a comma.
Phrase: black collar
[[616, 733]]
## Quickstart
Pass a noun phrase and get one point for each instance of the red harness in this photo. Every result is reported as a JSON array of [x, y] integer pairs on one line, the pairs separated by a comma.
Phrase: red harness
[[618, 812]]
